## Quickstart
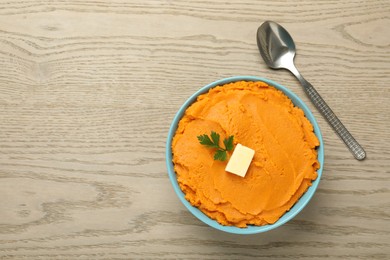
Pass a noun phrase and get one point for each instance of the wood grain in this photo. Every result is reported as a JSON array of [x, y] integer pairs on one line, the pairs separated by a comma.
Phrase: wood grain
[[87, 93]]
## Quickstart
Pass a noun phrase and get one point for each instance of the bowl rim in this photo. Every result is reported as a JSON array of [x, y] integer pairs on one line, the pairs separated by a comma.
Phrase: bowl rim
[[295, 209]]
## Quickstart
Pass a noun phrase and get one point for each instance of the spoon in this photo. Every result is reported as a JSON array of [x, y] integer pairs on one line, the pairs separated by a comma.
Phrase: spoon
[[278, 51]]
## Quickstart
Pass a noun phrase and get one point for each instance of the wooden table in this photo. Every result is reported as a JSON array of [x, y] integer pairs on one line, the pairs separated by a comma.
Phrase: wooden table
[[88, 90]]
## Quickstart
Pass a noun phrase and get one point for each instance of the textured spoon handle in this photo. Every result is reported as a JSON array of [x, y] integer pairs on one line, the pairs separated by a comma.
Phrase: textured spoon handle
[[333, 120]]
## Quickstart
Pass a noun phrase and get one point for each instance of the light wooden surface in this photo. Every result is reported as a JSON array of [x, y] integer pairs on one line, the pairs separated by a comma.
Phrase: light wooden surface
[[88, 90]]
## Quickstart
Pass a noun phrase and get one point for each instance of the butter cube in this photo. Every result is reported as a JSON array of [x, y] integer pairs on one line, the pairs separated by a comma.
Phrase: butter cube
[[240, 160]]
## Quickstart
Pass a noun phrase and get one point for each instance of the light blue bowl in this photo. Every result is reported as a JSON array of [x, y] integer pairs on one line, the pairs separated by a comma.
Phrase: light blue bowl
[[301, 203]]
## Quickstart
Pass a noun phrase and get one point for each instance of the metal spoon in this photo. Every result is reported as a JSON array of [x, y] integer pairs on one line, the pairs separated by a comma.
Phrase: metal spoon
[[278, 50]]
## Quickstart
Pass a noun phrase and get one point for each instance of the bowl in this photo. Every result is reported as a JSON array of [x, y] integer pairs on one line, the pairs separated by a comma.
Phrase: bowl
[[298, 206]]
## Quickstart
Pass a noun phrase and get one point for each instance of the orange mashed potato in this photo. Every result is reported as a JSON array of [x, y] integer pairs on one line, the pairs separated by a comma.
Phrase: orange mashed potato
[[262, 118]]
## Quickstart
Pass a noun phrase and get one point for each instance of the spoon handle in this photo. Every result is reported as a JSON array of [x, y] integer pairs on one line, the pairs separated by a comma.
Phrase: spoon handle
[[333, 120]]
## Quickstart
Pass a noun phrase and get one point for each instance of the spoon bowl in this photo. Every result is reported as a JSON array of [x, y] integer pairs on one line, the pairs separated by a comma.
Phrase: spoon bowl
[[277, 48]]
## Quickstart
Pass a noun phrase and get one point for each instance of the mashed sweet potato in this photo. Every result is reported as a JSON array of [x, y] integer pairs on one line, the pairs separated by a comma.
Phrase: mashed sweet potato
[[260, 117]]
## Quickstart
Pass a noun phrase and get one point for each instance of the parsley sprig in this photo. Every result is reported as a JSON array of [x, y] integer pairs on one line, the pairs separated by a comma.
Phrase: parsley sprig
[[213, 142]]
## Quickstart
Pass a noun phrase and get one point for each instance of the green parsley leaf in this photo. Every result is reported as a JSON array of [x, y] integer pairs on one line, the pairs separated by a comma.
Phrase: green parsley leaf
[[205, 140], [215, 138], [220, 155], [228, 142], [213, 142]]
